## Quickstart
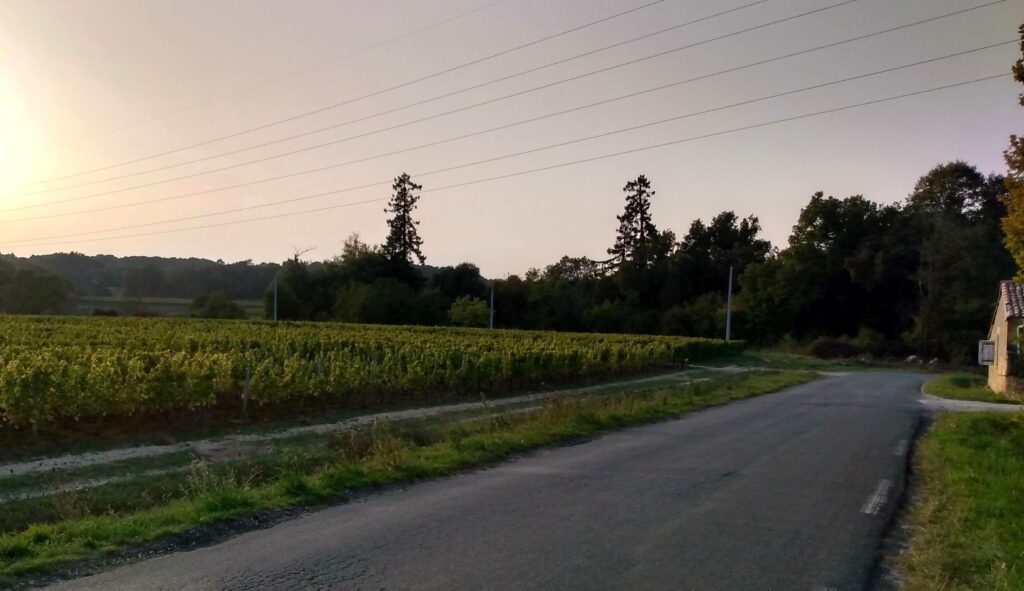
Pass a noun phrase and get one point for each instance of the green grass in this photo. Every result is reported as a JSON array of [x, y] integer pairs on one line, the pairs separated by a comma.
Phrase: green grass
[[964, 386], [786, 361], [134, 491], [358, 460], [968, 527]]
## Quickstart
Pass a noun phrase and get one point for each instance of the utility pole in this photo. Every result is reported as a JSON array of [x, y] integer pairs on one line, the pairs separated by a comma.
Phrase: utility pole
[[492, 305], [728, 309], [275, 298]]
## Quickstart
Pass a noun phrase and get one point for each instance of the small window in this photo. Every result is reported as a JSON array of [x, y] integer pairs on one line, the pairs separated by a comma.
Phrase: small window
[[986, 352]]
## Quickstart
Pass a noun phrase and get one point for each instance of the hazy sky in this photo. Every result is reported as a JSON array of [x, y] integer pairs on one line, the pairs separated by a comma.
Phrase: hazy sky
[[72, 71]]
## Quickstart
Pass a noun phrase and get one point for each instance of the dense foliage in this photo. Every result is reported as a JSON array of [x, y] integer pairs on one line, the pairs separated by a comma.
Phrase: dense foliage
[[58, 368], [31, 291], [919, 276], [139, 276], [1013, 223], [216, 305]]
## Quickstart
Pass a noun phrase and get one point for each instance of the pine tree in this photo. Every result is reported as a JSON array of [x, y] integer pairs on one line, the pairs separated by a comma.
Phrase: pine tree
[[1013, 223], [637, 233], [403, 240]]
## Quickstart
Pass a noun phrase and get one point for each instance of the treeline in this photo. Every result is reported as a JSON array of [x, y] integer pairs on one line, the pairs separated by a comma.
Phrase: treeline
[[32, 290], [138, 276], [917, 276]]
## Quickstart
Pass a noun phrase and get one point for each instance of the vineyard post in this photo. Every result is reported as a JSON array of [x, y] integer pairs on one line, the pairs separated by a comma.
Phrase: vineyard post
[[728, 309], [492, 306], [35, 412], [245, 391]]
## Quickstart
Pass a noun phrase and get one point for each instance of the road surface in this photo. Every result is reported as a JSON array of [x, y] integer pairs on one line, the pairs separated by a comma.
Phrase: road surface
[[790, 491]]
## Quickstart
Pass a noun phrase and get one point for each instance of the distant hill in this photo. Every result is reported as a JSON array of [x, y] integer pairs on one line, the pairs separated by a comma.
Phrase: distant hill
[[161, 277]]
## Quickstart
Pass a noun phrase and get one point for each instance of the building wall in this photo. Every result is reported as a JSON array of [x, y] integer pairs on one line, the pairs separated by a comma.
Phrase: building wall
[[1003, 331], [1000, 333]]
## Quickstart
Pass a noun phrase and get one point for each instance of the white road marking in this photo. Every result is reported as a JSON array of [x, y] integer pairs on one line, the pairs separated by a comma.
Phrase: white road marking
[[901, 448], [877, 500]]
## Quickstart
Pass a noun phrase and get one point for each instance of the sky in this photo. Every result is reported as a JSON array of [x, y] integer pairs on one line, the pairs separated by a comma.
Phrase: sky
[[106, 85]]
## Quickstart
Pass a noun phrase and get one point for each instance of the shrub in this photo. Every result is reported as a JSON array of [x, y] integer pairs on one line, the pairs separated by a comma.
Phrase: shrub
[[469, 311], [826, 348]]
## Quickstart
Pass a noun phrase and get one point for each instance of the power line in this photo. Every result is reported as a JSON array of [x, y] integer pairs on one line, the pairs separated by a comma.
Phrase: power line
[[520, 153], [551, 167], [338, 165], [374, 93], [269, 81], [401, 108], [556, 83]]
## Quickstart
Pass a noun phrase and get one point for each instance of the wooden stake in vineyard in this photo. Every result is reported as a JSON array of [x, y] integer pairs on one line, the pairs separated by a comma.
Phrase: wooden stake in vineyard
[[245, 391]]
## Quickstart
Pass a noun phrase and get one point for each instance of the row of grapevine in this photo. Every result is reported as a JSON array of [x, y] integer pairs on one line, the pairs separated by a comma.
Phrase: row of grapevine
[[55, 369]]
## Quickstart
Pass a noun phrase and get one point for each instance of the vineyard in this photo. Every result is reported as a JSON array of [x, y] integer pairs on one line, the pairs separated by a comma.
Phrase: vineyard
[[61, 369]]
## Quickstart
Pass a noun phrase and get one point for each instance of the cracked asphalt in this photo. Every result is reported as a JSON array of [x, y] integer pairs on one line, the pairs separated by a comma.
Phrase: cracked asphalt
[[790, 491]]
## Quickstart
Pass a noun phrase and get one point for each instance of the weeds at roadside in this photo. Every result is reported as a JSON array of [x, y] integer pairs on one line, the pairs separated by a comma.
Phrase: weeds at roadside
[[966, 526], [964, 386]]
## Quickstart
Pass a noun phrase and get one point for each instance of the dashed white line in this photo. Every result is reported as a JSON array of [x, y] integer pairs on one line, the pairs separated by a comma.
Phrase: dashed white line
[[901, 448], [877, 500]]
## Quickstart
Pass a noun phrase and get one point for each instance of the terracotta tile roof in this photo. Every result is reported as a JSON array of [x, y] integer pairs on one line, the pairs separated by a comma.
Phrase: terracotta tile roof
[[1013, 294]]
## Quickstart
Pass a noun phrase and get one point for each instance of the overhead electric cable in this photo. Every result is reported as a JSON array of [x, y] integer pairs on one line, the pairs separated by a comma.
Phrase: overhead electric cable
[[375, 93], [407, 106], [506, 156], [551, 167], [267, 82], [338, 165]]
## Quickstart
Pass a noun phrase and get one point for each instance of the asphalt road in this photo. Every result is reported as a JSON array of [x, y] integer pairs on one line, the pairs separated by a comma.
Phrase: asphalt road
[[789, 492]]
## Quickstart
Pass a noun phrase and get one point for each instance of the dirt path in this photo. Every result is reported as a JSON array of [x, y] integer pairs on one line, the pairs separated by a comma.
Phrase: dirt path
[[226, 443]]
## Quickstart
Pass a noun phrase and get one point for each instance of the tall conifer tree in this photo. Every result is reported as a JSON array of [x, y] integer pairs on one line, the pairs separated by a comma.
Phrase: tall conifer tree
[[403, 240], [637, 233]]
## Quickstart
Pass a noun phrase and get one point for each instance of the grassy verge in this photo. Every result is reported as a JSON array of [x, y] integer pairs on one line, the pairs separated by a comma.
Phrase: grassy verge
[[358, 460], [139, 484], [28, 449], [964, 386], [790, 362], [968, 529]]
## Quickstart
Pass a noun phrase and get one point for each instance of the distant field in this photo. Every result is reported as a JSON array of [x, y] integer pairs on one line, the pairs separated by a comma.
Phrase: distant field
[[127, 306], [61, 370]]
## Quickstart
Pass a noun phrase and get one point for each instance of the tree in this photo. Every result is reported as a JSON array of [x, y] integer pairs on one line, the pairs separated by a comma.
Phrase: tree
[[295, 292], [955, 212], [463, 279], [701, 261], [216, 305], [573, 269], [354, 248], [637, 233], [388, 301], [1013, 223], [808, 290], [33, 291], [403, 240], [469, 311], [606, 317], [957, 189], [148, 281]]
